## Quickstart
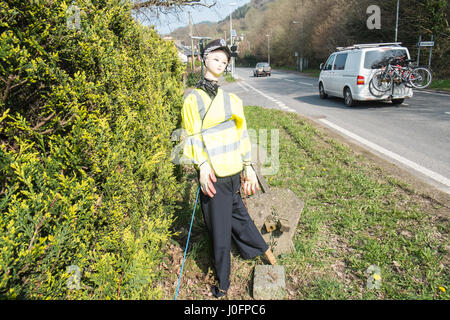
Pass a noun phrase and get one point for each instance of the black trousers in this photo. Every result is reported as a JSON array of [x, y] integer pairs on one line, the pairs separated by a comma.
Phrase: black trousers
[[227, 218]]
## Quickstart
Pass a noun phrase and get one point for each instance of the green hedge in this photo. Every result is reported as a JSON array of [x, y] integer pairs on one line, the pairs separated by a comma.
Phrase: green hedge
[[193, 77], [86, 181]]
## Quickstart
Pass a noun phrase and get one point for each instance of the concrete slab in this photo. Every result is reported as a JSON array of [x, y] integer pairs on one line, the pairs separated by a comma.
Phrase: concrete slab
[[279, 204], [269, 283]]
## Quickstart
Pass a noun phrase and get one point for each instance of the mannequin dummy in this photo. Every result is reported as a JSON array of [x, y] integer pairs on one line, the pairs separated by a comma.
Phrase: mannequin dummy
[[220, 149], [216, 63]]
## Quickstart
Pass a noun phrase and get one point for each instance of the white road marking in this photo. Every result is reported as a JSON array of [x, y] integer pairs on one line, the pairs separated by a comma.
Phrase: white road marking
[[431, 174], [447, 113], [436, 93], [308, 84], [241, 85], [280, 104]]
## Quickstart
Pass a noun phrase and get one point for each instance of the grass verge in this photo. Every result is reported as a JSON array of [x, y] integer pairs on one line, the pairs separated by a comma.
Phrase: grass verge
[[355, 216], [440, 84], [229, 78], [312, 72]]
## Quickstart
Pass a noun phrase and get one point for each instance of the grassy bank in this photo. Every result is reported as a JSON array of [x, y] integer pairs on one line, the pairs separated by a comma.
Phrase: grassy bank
[[229, 78], [311, 72], [355, 216], [440, 84]]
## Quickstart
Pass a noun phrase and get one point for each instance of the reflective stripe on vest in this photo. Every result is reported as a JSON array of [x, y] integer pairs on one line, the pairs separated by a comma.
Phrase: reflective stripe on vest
[[223, 148], [247, 156], [220, 127], [227, 105], [201, 105], [194, 141]]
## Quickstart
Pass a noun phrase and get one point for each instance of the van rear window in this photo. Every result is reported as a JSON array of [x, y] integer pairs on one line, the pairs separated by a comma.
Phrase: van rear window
[[374, 58]]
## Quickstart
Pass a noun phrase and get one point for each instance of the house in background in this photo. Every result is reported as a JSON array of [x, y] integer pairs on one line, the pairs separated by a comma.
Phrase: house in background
[[184, 52]]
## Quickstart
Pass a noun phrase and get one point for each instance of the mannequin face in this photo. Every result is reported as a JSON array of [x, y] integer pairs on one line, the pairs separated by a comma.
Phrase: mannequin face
[[215, 63]]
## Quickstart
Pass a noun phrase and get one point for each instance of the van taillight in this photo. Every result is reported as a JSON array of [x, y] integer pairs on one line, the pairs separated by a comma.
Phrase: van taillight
[[360, 80]]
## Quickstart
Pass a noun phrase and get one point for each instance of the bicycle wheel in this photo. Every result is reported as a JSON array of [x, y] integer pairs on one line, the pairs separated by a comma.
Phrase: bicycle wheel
[[381, 81], [374, 91], [420, 77]]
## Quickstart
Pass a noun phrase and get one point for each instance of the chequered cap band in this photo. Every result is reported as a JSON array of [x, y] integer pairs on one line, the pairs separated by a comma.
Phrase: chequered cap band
[[215, 45]]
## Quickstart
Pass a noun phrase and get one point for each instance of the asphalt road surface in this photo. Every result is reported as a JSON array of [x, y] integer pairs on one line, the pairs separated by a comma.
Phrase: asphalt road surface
[[414, 135]]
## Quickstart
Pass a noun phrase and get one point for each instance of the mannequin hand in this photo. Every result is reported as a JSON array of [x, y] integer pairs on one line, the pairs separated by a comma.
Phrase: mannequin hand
[[207, 177], [250, 180]]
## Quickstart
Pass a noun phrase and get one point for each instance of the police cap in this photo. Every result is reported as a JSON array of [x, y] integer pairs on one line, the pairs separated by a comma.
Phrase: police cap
[[218, 44]]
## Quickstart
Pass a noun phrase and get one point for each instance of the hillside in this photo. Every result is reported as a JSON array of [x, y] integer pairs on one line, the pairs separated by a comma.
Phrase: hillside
[[221, 29], [314, 28]]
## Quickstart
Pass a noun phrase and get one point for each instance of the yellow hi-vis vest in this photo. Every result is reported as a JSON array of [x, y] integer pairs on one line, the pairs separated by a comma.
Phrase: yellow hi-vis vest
[[216, 131]]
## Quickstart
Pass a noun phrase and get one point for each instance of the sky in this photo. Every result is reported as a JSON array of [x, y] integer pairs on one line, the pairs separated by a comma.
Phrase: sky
[[168, 23]]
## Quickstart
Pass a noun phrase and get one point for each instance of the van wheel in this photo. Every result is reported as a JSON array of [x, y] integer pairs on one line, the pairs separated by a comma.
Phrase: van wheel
[[322, 93], [348, 99], [397, 101]]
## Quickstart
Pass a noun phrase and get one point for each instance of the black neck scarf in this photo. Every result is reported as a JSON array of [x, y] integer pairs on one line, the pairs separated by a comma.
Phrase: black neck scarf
[[209, 86]]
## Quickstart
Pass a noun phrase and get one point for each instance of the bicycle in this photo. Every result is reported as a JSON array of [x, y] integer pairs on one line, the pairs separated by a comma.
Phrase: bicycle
[[395, 72], [414, 77]]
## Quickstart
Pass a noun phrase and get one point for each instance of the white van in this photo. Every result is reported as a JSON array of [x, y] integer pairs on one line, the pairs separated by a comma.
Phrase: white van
[[348, 71]]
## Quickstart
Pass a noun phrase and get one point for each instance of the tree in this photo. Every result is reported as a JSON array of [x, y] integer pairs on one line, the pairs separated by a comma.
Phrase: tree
[[151, 10], [170, 4]]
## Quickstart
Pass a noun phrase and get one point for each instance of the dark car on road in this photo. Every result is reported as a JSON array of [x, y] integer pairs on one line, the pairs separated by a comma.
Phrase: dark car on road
[[262, 69]]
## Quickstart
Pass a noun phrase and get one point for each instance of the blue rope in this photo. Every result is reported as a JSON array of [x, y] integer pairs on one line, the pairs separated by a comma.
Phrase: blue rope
[[187, 243]]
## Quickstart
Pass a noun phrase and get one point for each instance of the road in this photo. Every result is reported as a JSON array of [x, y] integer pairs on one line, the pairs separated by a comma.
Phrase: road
[[414, 135]]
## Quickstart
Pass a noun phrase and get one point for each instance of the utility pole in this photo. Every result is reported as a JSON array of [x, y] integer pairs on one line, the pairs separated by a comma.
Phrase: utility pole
[[192, 41], [396, 21], [231, 29], [201, 39], [302, 40], [431, 50], [301, 59], [231, 38], [302, 51]]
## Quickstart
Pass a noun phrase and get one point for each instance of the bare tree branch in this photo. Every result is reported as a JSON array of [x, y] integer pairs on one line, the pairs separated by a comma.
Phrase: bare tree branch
[[151, 4], [152, 10]]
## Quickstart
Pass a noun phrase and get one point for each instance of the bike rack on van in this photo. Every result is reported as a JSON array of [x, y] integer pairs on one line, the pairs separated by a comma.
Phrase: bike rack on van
[[368, 45]]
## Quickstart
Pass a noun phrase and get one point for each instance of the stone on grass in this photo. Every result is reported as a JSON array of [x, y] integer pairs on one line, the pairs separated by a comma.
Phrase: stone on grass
[[269, 283], [280, 205]]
